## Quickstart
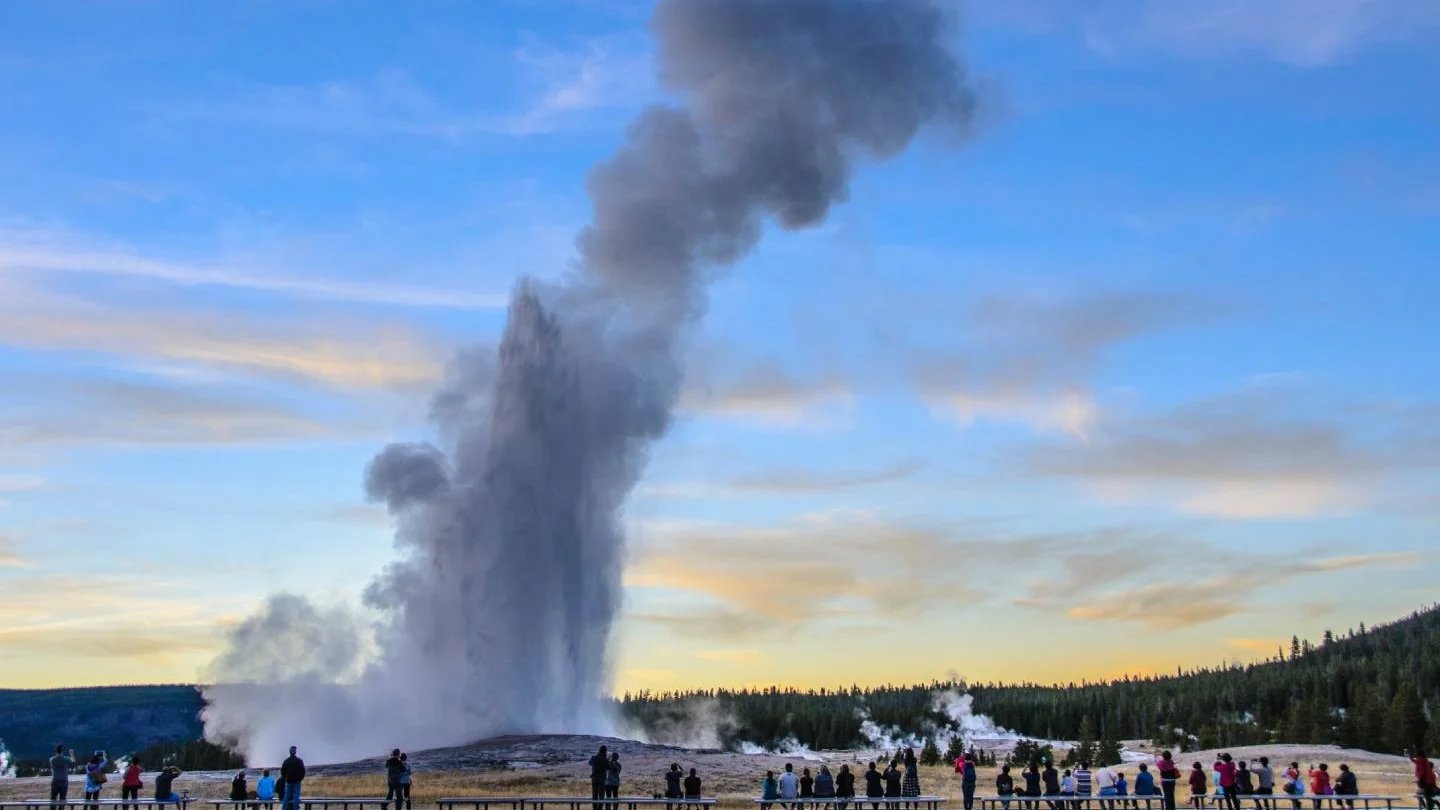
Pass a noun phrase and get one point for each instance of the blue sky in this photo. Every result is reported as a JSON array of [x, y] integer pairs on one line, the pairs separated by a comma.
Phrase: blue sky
[[1142, 368]]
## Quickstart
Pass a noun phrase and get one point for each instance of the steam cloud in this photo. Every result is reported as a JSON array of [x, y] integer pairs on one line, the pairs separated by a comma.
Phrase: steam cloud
[[497, 616]]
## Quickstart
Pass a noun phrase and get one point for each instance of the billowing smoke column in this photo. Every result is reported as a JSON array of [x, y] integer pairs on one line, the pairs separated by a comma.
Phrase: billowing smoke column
[[497, 616]]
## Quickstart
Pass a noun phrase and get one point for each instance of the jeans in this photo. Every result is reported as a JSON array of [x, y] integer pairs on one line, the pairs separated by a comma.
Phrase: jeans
[[127, 792], [405, 786], [92, 796], [59, 791], [292, 796], [1167, 790], [393, 791], [967, 789]]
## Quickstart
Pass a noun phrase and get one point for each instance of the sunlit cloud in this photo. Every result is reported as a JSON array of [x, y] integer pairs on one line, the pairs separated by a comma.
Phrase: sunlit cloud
[[767, 395]]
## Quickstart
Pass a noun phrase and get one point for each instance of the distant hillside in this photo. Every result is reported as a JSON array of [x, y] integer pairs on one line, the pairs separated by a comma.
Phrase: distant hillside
[[116, 718], [1376, 688]]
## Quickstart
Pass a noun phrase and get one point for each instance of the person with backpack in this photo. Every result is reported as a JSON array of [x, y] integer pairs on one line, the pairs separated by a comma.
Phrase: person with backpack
[[292, 771], [130, 783], [967, 783], [95, 778], [393, 768], [404, 780]]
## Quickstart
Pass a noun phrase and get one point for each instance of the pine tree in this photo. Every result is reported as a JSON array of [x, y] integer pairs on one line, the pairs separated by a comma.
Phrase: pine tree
[[955, 749], [930, 754], [1407, 720]]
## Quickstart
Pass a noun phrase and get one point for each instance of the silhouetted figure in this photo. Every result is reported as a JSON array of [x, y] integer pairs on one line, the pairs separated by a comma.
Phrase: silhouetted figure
[[239, 790], [60, 767], [1004, 783], [599, 766], [292, 771], [165, 785], [844, 786], [692, 785]]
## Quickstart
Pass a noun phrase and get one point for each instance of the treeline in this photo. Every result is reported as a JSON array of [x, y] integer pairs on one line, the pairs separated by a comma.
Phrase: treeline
[[1374, 688]]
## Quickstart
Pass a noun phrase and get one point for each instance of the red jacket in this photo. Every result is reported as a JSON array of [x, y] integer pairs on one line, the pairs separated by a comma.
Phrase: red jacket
[[1424, 771], [132, 776], [1227, 773]]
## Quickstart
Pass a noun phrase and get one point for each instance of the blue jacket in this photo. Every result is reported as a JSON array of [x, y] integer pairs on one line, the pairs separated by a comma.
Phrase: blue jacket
[[1144, 784]]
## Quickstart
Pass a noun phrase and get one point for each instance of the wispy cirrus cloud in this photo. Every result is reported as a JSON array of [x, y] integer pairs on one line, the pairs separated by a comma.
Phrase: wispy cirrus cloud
[[50, 253], [768, 395]]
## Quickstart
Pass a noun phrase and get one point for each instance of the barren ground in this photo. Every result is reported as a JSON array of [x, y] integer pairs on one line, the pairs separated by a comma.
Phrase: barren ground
[[555, 765]]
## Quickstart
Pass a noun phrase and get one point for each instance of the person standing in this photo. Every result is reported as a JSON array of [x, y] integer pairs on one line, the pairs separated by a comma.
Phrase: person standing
[[130, 784], [1424, 780], [1346, 785], [1169, 777], [1052, 782], [404, 780], [599, 766], [393, 767], [672, 782], [692, 785], [60, 767], [967, 783], [95, 778], [910, 788], [1198, 786], [1225, 771], [1264, 783], [292, 771], [239, 790], [612, 778]]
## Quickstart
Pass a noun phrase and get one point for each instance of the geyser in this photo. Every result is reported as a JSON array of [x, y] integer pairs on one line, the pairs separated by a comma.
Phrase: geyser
[[497, 615]]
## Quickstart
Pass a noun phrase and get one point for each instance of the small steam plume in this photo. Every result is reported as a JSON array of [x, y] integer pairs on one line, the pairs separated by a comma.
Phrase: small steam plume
[[497, 616]]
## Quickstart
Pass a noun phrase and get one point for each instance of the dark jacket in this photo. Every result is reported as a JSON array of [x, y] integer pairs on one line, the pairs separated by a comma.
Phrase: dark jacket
[[393, 769], [1032, 782], [599, 766], [968, 777], [292, 770], [892, 781], [1052, 781], [1346, 785], [825, 785], [874, 784], [1004, 784], [238, 790], [672, 784], [845, 784], [692, 787], [807, 787]]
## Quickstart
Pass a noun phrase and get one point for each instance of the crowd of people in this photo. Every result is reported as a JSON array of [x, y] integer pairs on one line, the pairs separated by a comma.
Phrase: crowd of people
[[899, 780], [97, 775]]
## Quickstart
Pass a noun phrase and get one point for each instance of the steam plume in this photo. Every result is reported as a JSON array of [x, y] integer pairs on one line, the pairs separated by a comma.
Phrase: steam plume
[[498, 614]]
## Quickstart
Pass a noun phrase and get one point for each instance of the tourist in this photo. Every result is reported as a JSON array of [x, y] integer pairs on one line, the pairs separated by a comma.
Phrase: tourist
[[1032, 780], [130, 784], [404, 781], [874, 784], [1104, 782], [910, 789], [967, 782], [1122, 788], [292, 771], [824, 784], [807, 785], [1004, 783], [893, 779], [1294, 783], [1264, 782], [769, 790], [1244, 779], [612, 778], [265, 787], [1067, 788], [1144, 781], [1198, 786], [1052, 782], [845, 786], [672, 781], [95, 778], [789, 784], [60, 767], [599, 766], [165, 785], [1424, 780], [1169, 777], [239, 790], [1084, 781], [1225, 772], [1346, 785], [1320, 781], [692, 785], [393, 767]]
